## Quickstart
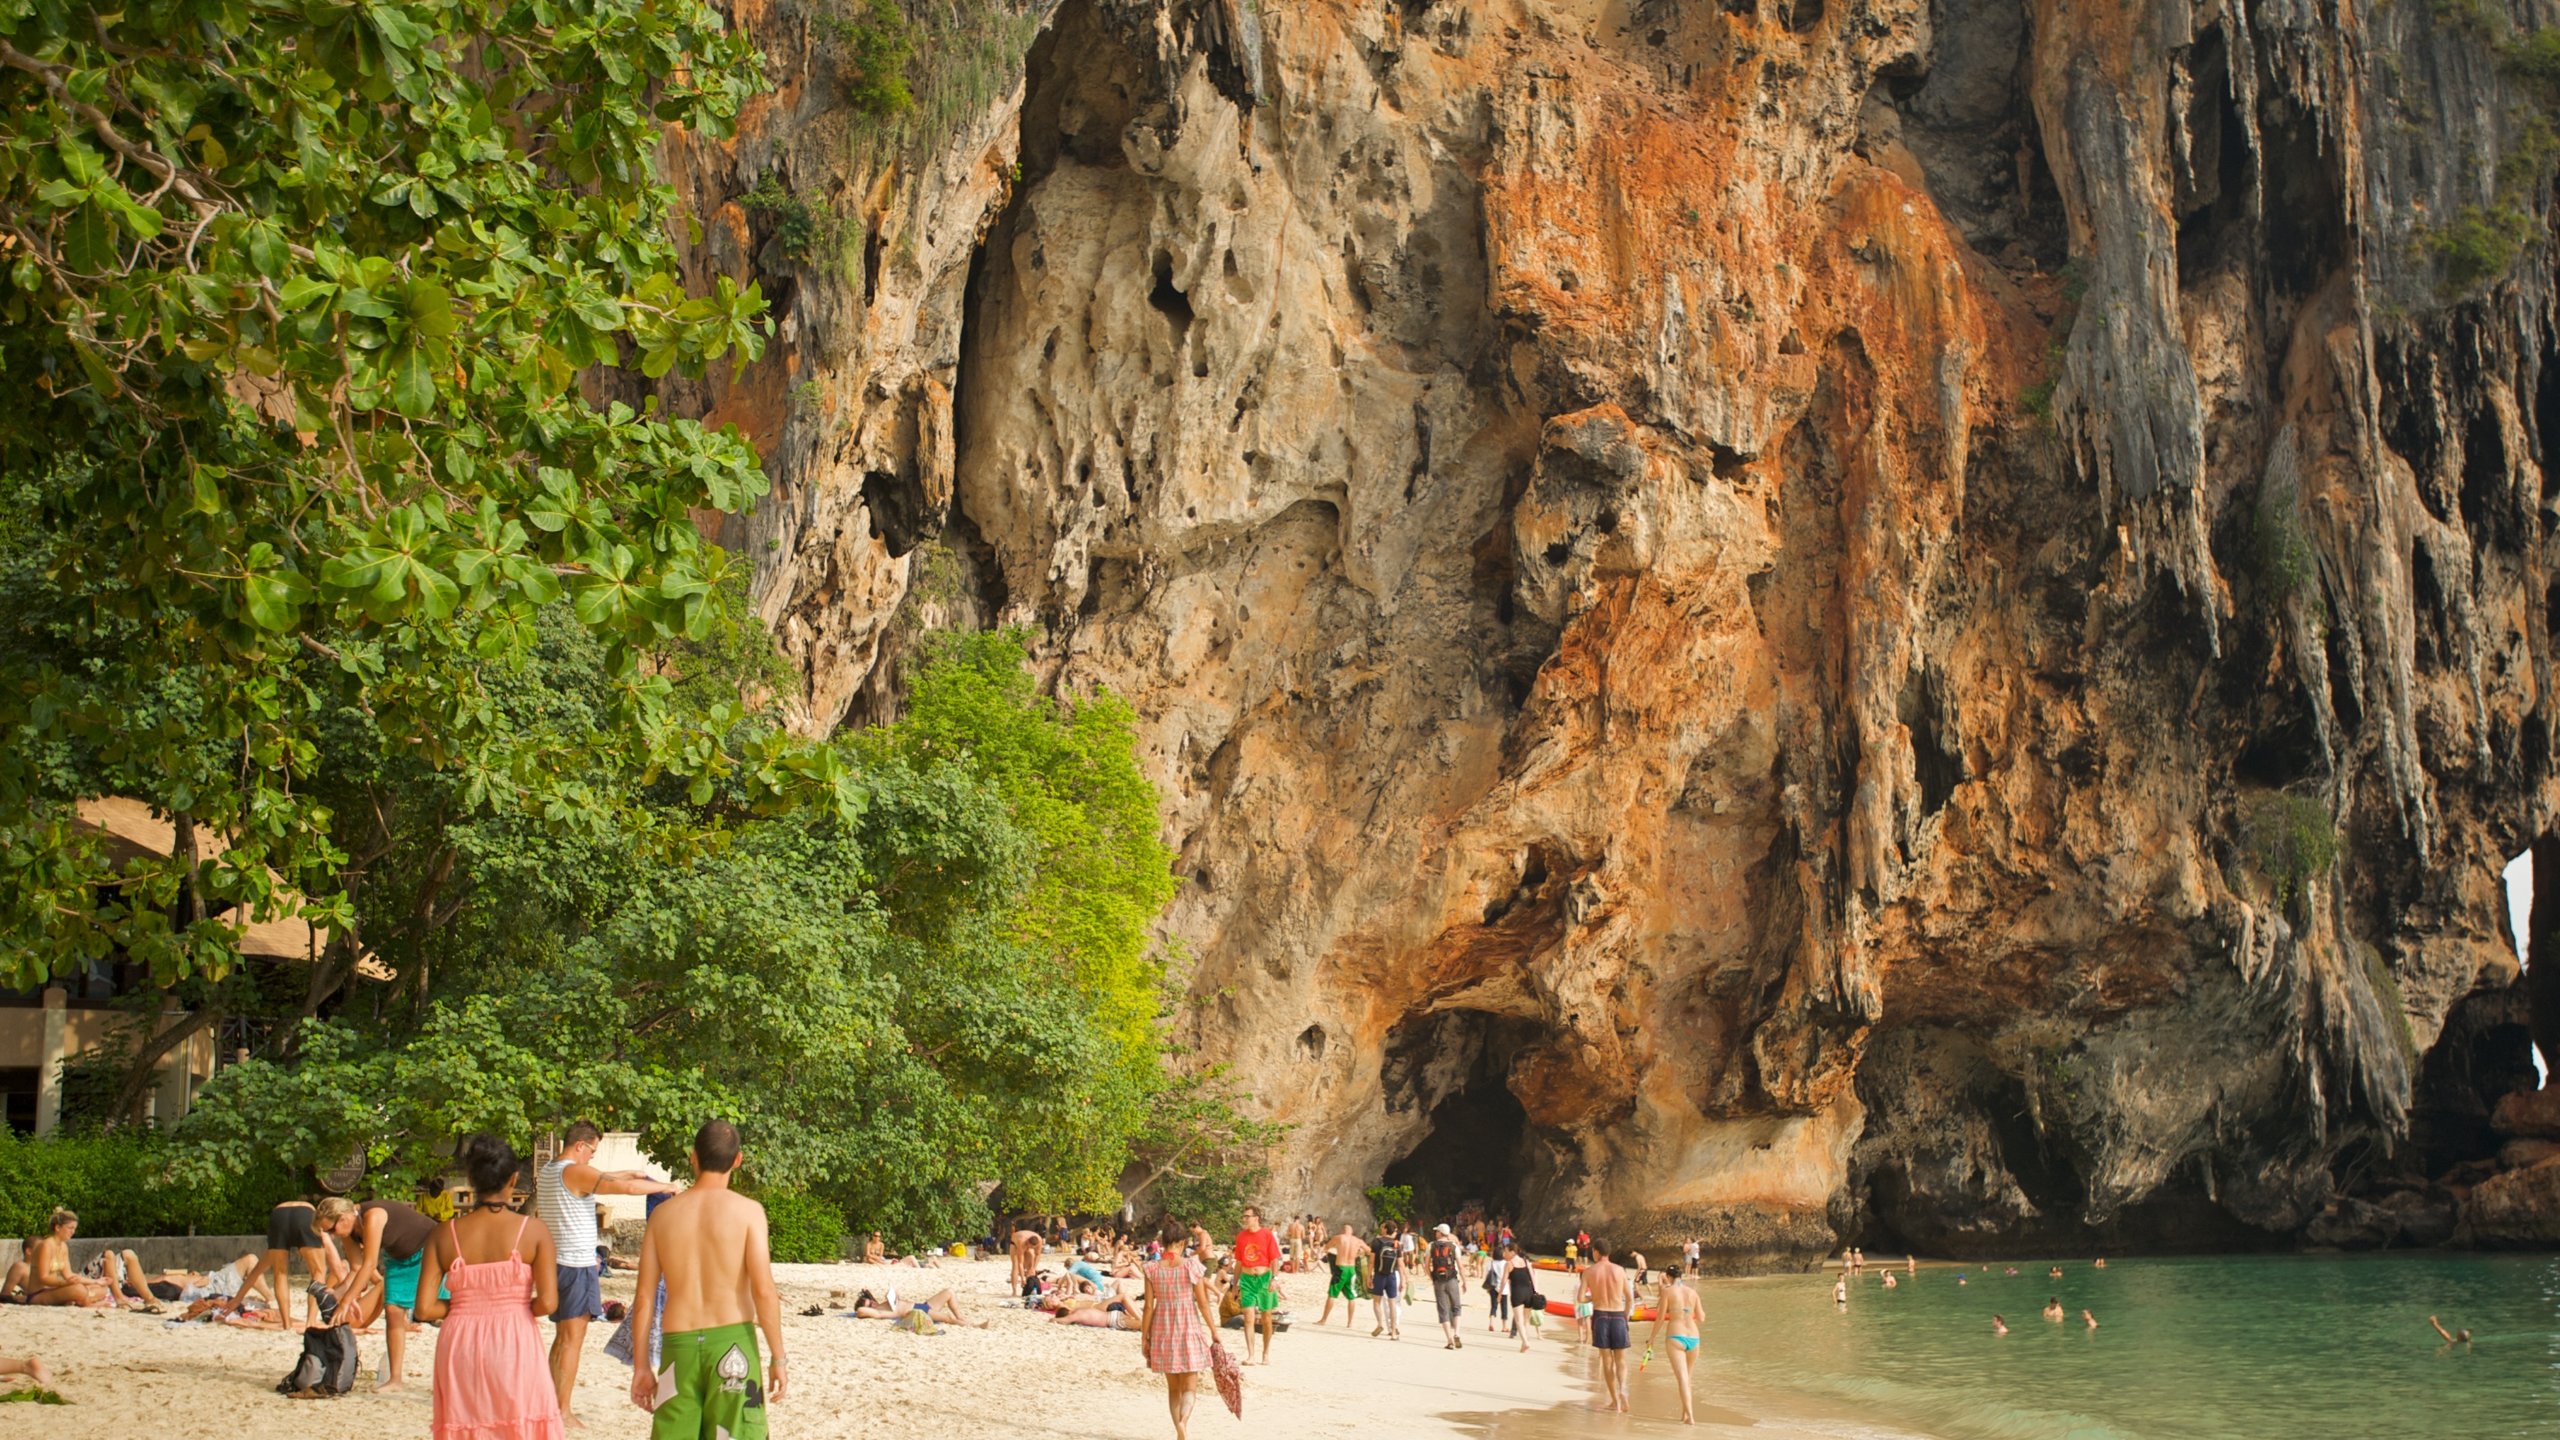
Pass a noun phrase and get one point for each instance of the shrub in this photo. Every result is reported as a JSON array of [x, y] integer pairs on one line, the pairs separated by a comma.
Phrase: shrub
[[2479, 245], [803, 1227], [2292, 839], [1392, 1204], [877, 42], [796, 227], [118, 1183]]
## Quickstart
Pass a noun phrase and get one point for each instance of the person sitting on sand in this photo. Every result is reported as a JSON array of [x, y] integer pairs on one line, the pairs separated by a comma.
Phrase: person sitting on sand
[[1999, 1326], [122, 1273], [50, 1280], [2451, 1337], [2053, 1308], [873, 1252]]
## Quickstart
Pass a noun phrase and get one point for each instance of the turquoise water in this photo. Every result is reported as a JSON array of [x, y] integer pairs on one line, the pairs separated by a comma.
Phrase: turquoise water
[[2188, 1349]]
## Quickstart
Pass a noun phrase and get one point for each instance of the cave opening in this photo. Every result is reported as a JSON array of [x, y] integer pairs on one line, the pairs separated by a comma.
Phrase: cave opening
[[1455, 1065]]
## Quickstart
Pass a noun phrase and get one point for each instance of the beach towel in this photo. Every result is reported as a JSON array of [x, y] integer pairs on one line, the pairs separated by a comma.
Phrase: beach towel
[[1229, 1376]]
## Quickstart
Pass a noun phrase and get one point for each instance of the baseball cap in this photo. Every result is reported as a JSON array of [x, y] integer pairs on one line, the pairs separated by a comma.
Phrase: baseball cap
[[1441, 1229]]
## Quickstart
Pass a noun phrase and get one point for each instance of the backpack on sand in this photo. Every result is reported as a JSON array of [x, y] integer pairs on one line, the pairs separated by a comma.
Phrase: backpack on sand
[[328, 1364]]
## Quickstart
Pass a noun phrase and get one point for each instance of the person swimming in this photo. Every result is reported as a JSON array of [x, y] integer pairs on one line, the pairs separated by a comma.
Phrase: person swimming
[[1889, 1281], [1840, 1292], [2088, 1320], [2053, 1308], [2054, 1274], [1999, 1326], [2451, 1337]]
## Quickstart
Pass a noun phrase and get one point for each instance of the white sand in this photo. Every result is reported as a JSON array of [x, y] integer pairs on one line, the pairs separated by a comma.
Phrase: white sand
[[132, 1376]]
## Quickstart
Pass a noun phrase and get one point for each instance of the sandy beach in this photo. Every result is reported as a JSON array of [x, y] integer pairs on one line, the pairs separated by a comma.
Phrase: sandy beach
[[1023, 1376]]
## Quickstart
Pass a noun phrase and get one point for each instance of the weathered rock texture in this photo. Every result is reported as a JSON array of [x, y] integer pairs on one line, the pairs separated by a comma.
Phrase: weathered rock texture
[[1758, 618]]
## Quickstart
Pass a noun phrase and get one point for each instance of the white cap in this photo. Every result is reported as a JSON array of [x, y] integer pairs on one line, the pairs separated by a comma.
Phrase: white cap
[[1442, 1229]]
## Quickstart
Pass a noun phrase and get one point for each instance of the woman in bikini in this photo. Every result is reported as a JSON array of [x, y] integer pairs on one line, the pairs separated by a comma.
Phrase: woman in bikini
[[1676, 1308], [493, 1373]]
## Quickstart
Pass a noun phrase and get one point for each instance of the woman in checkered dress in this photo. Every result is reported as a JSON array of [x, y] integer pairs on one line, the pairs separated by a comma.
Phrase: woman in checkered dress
[[1180, 1316]]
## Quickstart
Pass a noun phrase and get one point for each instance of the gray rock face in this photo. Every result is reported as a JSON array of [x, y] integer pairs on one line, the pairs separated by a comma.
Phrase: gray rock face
[[1927, 623]]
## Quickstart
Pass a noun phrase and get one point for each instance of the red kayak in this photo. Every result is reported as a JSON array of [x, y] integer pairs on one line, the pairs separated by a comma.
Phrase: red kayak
[[1642, 1314]]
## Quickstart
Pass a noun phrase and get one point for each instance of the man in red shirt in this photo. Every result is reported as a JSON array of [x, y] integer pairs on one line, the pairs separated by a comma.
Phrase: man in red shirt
[[1257, 1256]]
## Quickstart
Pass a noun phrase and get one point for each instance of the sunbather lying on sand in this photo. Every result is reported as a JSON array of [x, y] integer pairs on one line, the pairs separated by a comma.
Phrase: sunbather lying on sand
[[27, 1365], [943, 1306]]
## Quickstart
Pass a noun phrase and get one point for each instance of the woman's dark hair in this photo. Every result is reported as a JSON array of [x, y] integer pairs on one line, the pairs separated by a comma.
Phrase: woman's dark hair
[[1173, 1232], [492, 1164]]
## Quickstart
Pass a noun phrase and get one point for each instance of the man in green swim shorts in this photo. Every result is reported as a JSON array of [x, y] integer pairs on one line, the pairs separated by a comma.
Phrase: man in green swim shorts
[[1257, 1255], [1345, 1260], [709, 1246]]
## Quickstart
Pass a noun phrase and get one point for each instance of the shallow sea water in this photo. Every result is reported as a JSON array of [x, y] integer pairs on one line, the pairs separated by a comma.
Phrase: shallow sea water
[[2222, 1348]]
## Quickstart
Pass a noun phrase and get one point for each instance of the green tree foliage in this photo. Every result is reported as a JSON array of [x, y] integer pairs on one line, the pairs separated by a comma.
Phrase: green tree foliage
[[873, 991], [119, 1184], [801, 1228], [1392, 1204], [877, 42], [1198, 1154], [294, 302], [2292, 840]]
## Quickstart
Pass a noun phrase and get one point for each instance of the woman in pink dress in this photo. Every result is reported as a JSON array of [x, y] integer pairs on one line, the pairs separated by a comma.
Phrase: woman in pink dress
[[493, 1378], [1180, 1316]]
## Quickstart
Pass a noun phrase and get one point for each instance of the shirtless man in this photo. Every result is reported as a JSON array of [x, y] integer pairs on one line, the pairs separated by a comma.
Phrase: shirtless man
[[2053, 1308], [2451, 1337], [299, 1230], [1605, 1287], [708, 1244], [564, 1192], [1344, 1283], [1677, 1310], [1028, 1246]]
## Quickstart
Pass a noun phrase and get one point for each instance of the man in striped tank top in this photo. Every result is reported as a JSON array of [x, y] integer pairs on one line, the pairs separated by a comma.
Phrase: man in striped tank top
[[564, 1194]]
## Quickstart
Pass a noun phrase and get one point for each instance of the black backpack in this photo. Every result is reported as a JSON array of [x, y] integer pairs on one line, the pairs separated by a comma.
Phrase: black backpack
[[328, 1365], [1444, 1259]]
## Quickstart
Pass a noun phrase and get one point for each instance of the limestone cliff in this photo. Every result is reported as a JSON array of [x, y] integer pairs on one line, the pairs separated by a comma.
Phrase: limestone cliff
[[1784, 618]]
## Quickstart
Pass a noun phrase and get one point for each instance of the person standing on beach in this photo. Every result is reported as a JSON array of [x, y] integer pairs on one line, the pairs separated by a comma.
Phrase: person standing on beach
[[1344, 1282], [1028, 1247], [394, 1237], [1386, 1284], [1522, 1278], [1448, 1286], [1676, 1309], [1178, 1317], [1497, 1302], [709, 1245], [564, 1194], [491, 1382], [1605, 1286], [295, 1230], [1257, 1255]]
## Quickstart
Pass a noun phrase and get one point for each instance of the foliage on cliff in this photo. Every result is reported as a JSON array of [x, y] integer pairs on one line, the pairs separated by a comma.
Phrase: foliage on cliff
[[293, 305]]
